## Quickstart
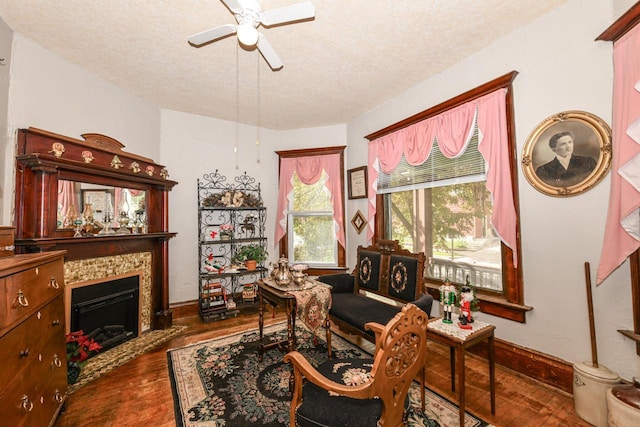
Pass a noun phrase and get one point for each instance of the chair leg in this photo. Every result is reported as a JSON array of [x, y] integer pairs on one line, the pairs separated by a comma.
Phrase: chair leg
[[422, 386]]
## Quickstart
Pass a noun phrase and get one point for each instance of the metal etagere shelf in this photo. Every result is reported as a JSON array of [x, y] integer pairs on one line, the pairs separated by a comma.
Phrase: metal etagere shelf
[[230, 216]]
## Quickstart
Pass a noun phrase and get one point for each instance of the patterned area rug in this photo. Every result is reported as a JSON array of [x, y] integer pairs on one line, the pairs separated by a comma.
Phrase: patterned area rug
[[105, 362], [222, 382]]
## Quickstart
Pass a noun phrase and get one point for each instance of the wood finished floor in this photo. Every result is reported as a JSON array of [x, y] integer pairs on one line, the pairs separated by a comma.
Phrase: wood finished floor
[[139, 393]]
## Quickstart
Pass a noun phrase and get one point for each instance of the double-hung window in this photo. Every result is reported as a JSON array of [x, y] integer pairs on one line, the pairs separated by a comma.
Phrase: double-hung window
[[310, 228]]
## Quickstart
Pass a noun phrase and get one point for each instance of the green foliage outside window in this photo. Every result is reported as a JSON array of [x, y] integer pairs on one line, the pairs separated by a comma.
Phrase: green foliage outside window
[[311, 219]]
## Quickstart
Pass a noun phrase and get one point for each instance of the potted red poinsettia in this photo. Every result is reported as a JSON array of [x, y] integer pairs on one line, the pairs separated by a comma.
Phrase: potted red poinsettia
[[79, 348]]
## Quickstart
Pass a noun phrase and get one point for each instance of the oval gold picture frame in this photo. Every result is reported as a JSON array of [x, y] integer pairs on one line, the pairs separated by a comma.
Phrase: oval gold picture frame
[[592, 141]]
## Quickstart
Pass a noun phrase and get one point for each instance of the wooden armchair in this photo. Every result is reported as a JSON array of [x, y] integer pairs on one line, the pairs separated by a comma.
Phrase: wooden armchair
[[363, 392]]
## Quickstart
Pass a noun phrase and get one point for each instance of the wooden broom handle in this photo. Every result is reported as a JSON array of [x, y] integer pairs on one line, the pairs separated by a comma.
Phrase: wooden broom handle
[[592, 327]]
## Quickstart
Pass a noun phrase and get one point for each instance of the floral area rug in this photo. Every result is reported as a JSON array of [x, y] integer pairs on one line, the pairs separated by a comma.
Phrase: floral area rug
[[222, 382]]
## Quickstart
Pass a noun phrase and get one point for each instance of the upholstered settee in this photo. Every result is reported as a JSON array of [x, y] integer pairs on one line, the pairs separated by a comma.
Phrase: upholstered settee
[[385, 278]]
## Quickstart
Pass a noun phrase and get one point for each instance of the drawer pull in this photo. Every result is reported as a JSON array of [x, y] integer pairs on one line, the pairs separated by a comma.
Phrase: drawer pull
[[21, 299], [53, 283], [8, 248], [56, 363], [55, 322], [57, 396], [26, 404], [24, 353]]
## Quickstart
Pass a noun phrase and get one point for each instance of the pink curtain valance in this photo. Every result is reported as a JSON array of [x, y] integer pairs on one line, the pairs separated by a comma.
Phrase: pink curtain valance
[[309, 170], [453, 130], [622, 230]]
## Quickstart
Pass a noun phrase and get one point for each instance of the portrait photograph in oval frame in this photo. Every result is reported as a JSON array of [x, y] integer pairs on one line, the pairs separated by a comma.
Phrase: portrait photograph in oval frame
[[567, 153]]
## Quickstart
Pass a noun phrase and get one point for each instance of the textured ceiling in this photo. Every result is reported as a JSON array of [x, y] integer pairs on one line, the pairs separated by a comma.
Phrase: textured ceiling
[[353, 56]]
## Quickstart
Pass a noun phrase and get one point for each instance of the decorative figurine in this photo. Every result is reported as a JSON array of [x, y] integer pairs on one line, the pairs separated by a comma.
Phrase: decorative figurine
[[116, 163], [466, 299], [57, 149], [87, 156], [448, 300], [135, 167]]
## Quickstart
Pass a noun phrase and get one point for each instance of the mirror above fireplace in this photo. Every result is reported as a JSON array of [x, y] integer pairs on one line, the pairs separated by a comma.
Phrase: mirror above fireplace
[[92, 204]]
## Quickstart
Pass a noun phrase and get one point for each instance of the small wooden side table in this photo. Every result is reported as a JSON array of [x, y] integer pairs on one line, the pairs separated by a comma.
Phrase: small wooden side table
[[461, 340], [276, 296]]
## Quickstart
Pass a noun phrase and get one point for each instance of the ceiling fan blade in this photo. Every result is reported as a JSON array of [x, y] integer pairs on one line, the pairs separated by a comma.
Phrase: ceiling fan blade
[[233, 5], [211, 35], [295, 12], [269, 54]]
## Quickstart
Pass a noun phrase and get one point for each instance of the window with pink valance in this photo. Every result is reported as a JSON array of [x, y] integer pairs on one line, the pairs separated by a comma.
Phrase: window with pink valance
[[309, 169], [452, 130]]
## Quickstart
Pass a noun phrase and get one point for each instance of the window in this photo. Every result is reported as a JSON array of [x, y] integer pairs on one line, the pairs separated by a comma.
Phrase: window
[[442, 207], [310, 216], [310, 230]]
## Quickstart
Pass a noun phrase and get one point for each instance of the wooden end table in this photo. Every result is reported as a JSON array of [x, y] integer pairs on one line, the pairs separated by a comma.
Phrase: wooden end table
[[278, 297], [450, 335]]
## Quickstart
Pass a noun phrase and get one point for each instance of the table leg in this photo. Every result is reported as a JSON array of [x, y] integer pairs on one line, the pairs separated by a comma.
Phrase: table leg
[[260, 322], [492, 374], [452, 362], [291, 326], [461, 391], [327, 326]]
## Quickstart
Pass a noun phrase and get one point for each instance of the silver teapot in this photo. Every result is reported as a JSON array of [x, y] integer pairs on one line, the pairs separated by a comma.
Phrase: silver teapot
[[281, 273]]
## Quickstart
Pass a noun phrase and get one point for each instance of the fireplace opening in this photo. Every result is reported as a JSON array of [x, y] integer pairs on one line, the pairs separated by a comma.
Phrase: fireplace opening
[[108, 312]]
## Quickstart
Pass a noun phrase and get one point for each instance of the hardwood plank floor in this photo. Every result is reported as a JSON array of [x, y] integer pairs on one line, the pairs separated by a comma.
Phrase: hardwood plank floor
[[138, 393]]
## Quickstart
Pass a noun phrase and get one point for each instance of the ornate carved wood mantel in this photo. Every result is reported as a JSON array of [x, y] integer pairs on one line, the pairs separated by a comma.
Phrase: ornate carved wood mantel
[[43, 158]]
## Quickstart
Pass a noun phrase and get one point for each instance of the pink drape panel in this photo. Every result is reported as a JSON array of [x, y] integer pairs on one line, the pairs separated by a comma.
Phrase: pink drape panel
[[492, 126], [66, 197], [117, 198], [621, 231], [309, 170], [452, 129]]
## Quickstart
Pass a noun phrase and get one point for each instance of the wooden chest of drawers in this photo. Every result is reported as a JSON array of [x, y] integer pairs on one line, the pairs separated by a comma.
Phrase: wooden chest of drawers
[[33, 370]]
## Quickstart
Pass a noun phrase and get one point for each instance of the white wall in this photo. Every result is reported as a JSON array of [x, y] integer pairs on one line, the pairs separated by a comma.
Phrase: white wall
[[6, 40], [50, 93], [560, 68]]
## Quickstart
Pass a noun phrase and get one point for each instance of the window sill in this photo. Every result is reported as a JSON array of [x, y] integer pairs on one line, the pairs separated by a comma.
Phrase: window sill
[[490, 304], [326, 270]]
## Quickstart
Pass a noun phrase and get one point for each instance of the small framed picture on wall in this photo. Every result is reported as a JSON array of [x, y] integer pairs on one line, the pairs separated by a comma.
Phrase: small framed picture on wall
[[357, 182]]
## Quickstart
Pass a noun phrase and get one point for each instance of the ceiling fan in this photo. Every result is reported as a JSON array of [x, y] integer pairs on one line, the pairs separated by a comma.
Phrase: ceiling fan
[[250, 16]]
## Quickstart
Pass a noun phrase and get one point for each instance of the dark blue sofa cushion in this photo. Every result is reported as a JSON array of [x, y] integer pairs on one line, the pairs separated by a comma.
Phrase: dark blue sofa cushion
[[356, 310]]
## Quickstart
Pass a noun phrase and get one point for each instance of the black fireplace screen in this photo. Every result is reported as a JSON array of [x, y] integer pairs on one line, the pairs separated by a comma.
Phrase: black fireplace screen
[[107, 312]]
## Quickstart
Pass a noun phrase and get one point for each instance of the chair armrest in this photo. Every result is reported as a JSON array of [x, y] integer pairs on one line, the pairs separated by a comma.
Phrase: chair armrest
[[424, 303], [303, 369], [340, 282], [377, 329]]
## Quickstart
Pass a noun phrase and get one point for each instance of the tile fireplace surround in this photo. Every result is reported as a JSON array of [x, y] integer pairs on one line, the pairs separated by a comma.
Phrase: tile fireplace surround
[[95, 270]]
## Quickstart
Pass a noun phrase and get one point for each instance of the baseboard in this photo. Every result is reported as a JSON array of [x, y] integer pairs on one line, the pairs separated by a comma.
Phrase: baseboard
[[541, 367], [184, 309], [525, 361]]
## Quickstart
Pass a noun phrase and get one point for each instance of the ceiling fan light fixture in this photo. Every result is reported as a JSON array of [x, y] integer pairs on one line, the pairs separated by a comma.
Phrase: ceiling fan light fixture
[[247, 34]]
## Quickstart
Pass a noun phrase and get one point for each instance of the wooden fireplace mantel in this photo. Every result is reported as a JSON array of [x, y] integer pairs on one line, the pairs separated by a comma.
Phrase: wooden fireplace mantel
[[44, 158]]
